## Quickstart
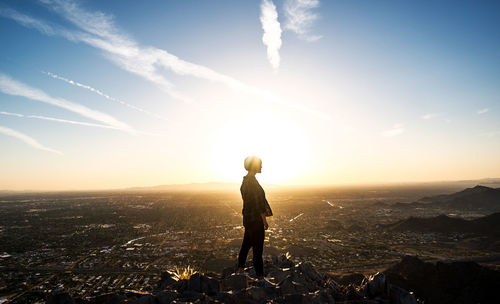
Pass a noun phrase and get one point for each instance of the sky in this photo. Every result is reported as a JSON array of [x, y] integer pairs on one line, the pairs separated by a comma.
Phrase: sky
[[112, 94]]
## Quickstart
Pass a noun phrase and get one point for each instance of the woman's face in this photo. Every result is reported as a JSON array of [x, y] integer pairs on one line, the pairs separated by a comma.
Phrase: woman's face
[[259, 168]]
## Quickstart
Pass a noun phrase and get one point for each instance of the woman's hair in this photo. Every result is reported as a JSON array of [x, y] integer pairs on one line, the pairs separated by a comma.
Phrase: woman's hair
[[252, 163]]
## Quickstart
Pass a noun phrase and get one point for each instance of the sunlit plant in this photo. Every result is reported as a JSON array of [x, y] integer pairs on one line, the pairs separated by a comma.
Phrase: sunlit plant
[[183, 273]]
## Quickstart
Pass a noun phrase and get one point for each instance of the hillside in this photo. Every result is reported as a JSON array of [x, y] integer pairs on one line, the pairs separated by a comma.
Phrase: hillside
[[488, 225], [476, 198]]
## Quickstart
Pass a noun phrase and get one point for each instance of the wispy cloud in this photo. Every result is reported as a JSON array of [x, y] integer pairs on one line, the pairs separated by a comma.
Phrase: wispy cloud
[[12, 87], [397, 129], [98, 30], [482, 111], [100, 93], [300, 18], [272, 32], [27, 139], [429, 116], [82, 123]]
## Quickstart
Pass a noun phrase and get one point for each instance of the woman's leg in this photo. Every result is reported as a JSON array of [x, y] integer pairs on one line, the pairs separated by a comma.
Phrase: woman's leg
[[258, 247], [245, 247]]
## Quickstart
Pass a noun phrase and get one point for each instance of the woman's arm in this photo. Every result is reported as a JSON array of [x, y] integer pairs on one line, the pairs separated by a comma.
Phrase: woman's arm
[[264, 220]]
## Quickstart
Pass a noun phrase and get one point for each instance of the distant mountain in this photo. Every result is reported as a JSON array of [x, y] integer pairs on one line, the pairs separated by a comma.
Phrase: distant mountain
[[476, 198], [212, 186], [488, 225]]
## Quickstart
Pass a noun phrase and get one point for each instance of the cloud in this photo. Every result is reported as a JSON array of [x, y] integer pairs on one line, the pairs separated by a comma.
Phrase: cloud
[[12, 87], [272, 32], [100, 93], [429, 116], [482, 111], [98, 30], [88, 124], [27, 139], [300, 18], [397, 129]]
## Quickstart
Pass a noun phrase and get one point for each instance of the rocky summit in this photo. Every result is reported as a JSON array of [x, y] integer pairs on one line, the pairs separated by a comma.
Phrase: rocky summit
[[289, 283]]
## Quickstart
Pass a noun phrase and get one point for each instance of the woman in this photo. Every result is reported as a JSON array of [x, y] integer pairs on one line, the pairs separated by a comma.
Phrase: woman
[[255, 210]]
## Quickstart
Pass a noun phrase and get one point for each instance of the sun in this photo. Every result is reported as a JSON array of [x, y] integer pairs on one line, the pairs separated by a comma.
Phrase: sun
[[278, 142]]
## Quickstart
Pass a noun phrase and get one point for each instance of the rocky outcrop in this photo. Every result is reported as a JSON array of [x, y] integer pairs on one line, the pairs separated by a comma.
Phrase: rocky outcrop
[[457, 282]]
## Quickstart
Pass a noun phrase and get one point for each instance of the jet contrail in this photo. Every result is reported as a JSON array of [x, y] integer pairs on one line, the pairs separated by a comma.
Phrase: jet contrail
[[82, 123], [27, 139], [100, 93]]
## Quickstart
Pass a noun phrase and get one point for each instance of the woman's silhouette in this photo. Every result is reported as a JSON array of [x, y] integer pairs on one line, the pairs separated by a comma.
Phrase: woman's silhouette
[[255, 210]]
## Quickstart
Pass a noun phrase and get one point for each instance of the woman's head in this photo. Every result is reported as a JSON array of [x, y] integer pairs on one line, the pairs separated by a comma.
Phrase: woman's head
[[253, 164]]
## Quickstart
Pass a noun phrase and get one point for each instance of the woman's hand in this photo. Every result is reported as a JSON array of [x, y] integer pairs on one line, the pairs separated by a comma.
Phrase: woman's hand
[[263, 216]]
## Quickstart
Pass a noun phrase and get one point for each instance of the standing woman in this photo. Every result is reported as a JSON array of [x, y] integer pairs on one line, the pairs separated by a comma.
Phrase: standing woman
[[255, 210]]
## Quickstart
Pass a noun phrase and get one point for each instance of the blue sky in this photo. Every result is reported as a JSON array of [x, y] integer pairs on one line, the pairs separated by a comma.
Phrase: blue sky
[[181, 91]]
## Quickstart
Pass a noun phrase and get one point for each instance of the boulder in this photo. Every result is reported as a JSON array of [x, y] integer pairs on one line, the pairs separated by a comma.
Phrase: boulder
[[375, 286], [60, 298], [165, 281], [210, 286], [399, 295], [109, 298], [235, 282], [194, 282], [288, 286], [308, 270], [147, 299], [258, 294], [191, 296], [166, 297]]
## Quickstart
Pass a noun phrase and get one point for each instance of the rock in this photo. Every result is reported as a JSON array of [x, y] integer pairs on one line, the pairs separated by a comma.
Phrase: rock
[[376, 285], [180, 285], [191, 296], [166, 297], [298, 299], [257, 293], [351, 278], [235, 282], [165, 281], [210, 286], [288, 286], [279, 275], [286, 264], [60, 298], [228, 271], [323, 297], [308, 270], [399, 295], [147, 299], [194, 282], [109, 298]]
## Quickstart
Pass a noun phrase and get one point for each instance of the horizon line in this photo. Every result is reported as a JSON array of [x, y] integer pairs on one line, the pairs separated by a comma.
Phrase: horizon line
[[272, 185]]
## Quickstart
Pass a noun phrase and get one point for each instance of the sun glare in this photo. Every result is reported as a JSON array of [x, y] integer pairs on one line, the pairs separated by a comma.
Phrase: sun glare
[[278, 142]]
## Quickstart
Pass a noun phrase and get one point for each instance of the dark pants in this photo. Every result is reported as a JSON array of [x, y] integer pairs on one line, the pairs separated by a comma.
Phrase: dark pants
[[254, 237]]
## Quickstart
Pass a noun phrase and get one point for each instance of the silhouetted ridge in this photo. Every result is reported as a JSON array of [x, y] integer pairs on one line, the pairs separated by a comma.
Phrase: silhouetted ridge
[[489, 225], [456, 282], [476, 198]]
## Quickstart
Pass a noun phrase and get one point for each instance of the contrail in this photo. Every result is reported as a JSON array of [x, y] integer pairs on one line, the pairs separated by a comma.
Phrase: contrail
[[27, 139], [82, 123], [12, 87], [100, 93], [98, 30]]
